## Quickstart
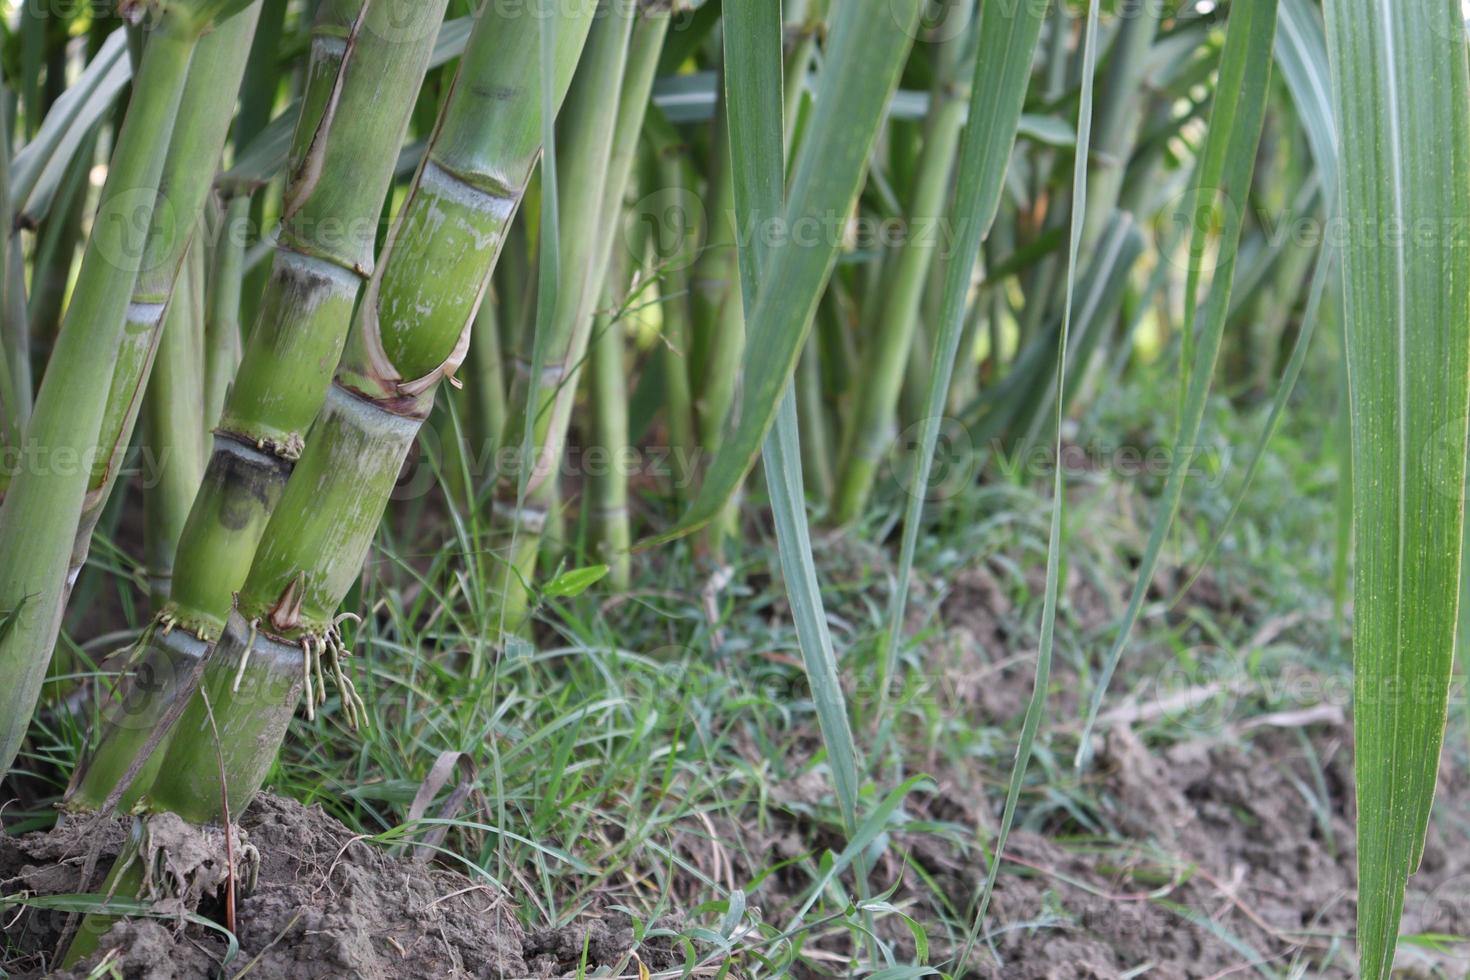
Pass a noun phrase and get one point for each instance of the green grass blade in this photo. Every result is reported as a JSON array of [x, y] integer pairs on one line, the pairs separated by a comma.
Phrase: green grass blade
[[1008, 36], [1036, 706], [753, 78], [1235, 130], [864, 55], [1402, 94]]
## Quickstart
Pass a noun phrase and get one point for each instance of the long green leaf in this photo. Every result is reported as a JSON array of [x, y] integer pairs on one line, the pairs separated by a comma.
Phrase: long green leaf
[[1301, 54], [39, 166], [1036, 706], [1224, 177], [1008, 36], [864, 55], [753, 78], [1402, 93]]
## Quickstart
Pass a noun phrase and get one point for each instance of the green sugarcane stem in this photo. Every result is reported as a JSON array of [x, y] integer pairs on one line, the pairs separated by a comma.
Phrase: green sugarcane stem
[[870, 431], [552, 541], [124, 880], [515, 289], [157, 681], [409, 333], [717, 341], [486, 381], [250, 708], [173, 434], [364, 69], [480, 408], [198, 139], [678, 399], [263, 79], [222, 341], [675, 307], [367, 60], [607, 483], [43, 503], [589, 123]]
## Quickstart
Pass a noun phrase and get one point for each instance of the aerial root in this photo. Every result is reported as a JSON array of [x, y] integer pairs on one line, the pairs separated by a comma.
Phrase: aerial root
[[328, 654], [245, 657]]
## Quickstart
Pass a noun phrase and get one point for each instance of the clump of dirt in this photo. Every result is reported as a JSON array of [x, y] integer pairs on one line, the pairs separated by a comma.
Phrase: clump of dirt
[[325, 903], [589, 943]]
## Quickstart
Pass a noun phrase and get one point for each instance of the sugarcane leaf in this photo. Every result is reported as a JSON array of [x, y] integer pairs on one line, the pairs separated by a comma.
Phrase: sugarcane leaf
[[1301, 54], [574, 581], [863, 58], [38, 167], [1008, 36], [753, 112], [1047, 130], [549, 263], [1401, 91], [1223, 179], [1036, 705]]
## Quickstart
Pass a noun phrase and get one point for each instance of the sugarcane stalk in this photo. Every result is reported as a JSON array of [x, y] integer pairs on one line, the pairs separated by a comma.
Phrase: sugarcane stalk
[[411, 331], [1119, 108], [258, 94], [173, 432], [607, 482], [717, 335], [56, 244], [675, 300], [222, 341], [367, 60], [194, 151], [589, 122], [43, 503], [870, 430], [362, 78]]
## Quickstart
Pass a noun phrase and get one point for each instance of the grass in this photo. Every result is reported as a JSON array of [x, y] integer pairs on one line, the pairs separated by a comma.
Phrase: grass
[[648, 758]]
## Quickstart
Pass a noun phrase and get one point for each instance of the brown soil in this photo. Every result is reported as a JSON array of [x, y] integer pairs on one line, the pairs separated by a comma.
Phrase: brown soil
[[326, 904]]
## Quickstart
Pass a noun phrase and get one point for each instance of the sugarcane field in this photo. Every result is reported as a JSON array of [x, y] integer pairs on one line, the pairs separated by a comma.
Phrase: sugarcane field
[[651, 489]]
